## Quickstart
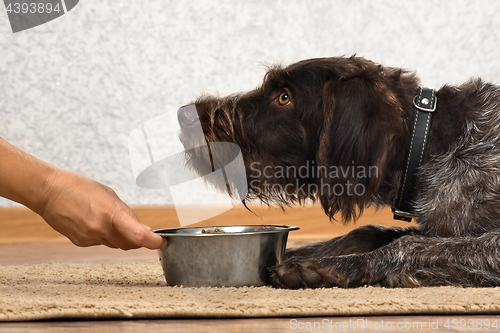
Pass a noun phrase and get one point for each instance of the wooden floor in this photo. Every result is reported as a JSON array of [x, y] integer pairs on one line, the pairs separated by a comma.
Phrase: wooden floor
[[274, 325], [26, 239], [20, 225]]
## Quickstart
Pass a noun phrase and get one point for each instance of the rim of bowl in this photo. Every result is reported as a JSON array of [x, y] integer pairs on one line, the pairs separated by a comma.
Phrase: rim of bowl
[[196, 231]]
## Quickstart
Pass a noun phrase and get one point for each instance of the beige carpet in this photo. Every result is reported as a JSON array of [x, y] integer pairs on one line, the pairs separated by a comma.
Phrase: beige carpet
[[138, 290]]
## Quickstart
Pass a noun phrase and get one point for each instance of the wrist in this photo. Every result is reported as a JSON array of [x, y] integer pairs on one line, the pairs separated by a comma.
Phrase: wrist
[[46, 190], [24, 178]]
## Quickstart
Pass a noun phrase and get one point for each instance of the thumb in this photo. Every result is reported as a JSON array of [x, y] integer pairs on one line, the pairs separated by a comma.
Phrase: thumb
[[138, 233]]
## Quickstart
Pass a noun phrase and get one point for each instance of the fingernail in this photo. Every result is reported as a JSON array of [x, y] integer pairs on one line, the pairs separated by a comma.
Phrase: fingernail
[[163, 243], [146, 227]]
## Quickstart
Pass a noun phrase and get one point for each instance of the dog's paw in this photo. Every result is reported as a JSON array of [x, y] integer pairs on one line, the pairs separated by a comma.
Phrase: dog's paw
[[307, 274]]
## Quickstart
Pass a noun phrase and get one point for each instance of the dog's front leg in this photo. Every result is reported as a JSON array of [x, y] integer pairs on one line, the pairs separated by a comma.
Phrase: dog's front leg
[[409, 261], [309, 266]]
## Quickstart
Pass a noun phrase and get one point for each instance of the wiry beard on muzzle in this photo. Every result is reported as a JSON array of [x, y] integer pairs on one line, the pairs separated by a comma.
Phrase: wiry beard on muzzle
[[216, 155], [218, 117]]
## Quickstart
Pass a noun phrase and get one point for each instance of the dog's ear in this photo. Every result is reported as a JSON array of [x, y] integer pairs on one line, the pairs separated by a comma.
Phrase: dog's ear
[[362, 120]]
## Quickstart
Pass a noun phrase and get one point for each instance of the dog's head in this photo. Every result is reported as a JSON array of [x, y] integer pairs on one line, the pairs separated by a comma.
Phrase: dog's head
[[324, 129]]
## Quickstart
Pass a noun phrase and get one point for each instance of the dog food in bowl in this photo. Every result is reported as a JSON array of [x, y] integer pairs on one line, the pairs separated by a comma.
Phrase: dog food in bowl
[[214, 231]]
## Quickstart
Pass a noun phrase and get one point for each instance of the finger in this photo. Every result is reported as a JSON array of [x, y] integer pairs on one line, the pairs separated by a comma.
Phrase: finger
[[122, 204], [135, 233], [105, 242], [131, 213], [134, 216], [85, 241], [117, 240]]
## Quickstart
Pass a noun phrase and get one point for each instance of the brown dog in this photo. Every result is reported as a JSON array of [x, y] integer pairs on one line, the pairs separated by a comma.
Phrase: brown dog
[[338, 130]]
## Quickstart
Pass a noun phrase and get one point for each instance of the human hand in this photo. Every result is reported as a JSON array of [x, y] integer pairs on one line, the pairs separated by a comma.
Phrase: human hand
[[89, 213]]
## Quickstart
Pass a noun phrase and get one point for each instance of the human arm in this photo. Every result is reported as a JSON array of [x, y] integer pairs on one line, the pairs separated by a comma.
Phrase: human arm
[[83, 210]]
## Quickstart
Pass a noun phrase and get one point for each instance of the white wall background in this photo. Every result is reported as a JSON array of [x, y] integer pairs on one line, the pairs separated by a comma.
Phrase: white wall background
[[73, 89]]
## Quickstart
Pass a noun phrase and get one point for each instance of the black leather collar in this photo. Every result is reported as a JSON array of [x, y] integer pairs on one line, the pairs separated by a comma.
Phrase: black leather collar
[[425, 104]]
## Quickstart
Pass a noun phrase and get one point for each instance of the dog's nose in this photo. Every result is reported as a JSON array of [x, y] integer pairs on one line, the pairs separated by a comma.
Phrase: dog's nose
[[187, 115]]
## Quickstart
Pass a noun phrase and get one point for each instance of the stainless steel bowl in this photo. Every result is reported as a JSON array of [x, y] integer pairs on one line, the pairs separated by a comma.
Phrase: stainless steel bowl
[[239, 257]]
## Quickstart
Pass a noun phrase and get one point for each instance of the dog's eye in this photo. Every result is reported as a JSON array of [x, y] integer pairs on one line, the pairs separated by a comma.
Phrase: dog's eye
[[284, 98]]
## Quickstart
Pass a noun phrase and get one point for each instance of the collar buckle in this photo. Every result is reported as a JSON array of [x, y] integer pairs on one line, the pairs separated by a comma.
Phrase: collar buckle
[[425, 104], [400, 215]]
